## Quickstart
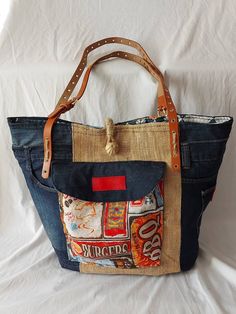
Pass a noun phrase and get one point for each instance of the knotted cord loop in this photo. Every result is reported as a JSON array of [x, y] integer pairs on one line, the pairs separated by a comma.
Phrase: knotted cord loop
[[111, 145]]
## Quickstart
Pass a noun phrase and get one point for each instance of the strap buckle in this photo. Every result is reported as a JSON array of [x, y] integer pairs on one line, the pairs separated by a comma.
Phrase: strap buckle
[[68, 105], [161, 111], [63, 107]]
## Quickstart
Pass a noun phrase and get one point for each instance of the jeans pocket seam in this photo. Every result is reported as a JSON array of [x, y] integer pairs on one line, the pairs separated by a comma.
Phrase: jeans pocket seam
[[41, 185], [33, 177], [204, 205], [199, 217]]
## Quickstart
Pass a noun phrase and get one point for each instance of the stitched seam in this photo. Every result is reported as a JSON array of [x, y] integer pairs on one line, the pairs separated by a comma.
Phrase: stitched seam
[[203, 193], [202, 160], [120, 130], [103, 133], [73, 146], [126, 126], [197, 180], [186, 157], [198, 227], [205, 141], [183, 157]]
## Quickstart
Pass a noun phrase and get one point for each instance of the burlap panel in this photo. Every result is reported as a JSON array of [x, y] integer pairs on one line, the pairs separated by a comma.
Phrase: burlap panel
[[138, 142]]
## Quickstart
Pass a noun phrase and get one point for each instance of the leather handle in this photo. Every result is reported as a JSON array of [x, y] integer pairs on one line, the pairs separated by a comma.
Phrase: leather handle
[[165, 103], [162, 100], [83, 62]]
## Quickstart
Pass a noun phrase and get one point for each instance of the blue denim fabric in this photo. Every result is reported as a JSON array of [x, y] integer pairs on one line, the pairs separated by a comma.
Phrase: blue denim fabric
[[27, 145], [202, 150]]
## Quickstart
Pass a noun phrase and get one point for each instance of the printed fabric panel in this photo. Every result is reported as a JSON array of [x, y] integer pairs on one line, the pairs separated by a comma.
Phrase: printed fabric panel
[[119, 234]]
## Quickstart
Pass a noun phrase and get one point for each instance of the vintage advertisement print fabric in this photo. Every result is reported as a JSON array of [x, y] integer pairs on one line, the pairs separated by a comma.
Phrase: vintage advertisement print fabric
[[123, 234]]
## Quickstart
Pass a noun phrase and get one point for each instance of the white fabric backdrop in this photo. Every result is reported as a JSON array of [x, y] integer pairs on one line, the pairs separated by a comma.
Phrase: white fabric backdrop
[[193, 43]]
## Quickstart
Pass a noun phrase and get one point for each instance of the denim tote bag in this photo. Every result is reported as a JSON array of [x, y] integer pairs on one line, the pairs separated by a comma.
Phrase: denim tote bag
[[126, 198]]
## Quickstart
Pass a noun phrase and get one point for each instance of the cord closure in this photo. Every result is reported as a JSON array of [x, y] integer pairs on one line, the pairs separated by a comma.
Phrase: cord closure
[[111, 145]]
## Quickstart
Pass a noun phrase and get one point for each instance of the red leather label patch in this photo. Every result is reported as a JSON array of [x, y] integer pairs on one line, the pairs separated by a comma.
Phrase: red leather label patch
[[108, 183]]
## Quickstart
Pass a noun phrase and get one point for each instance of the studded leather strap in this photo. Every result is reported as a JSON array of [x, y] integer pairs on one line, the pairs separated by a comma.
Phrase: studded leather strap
[[65, 106], [164, 104], [83, 62]]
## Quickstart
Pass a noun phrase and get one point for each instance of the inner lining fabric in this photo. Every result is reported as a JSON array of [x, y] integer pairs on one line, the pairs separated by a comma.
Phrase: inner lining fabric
[[181, 118]]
